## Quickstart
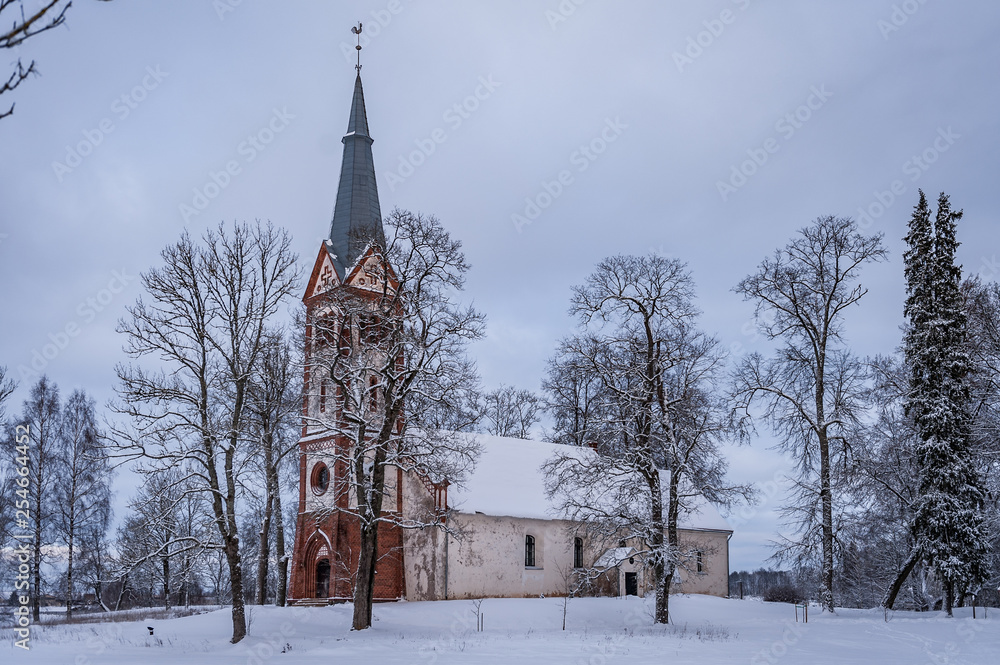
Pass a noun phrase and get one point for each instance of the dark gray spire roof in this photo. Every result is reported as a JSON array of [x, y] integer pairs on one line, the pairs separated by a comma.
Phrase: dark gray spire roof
[[357, 218]]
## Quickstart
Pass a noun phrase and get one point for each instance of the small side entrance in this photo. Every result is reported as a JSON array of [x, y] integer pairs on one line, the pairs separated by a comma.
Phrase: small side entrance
[[631, 584], [323, 578]]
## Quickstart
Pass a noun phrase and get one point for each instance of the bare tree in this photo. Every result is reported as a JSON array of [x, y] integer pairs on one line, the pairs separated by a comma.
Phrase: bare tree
[[8, 445], [661, 422], [394, 337], [84, 488], [95, 553], [41, 416], [207, 325], [275, 406], [44, 15], [811, 388], [7, 388], [573, 397], [510, 411]]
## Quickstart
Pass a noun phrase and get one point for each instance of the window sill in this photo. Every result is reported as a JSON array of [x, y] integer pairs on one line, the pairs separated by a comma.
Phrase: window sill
[[534, 568]]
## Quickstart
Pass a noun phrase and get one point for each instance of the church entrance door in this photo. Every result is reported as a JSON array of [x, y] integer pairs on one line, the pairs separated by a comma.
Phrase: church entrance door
[[323, 578], [631, 584]]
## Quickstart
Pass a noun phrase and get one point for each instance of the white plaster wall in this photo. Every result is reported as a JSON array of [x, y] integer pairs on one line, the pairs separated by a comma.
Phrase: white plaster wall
[[714, 578], [487, 560]]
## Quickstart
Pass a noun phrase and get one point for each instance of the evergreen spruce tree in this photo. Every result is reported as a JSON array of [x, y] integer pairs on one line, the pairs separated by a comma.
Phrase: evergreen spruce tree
[[948, 525]]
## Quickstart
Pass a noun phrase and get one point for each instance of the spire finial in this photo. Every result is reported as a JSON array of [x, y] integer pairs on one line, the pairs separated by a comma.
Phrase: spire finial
[[357, 31]]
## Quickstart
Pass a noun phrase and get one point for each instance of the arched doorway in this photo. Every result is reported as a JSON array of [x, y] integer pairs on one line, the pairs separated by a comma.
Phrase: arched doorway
[[323, 578]]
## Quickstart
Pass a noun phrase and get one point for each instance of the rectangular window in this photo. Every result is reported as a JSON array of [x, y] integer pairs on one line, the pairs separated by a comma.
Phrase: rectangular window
[[529, 551], [322, 397], [578, 552]]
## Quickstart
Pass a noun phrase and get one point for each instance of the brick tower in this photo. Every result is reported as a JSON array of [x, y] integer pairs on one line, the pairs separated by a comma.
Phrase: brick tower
[[327, 536]]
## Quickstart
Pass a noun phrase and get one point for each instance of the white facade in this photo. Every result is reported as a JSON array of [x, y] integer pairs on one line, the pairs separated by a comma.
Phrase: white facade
[[502, 504]]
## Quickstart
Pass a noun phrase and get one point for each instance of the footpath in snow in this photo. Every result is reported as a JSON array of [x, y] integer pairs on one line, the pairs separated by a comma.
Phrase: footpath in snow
[[599, 631]]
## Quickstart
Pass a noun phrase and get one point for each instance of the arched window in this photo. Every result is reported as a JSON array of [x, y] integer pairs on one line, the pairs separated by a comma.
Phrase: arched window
[[529, 551], [699, 562], [578, 552]]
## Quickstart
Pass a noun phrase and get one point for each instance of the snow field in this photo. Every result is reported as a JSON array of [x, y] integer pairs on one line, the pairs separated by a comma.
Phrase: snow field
[[600, 631]]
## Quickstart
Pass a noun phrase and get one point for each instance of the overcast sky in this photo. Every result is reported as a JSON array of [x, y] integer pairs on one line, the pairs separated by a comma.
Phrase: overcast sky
[[707, 131]]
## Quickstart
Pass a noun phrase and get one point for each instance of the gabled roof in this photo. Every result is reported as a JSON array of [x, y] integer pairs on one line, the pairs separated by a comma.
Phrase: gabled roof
[[357, 217], [614, 557], [324, 274], [508, 481]]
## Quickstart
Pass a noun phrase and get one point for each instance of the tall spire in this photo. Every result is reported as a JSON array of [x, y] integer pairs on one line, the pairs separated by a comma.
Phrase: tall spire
[[357, 217]]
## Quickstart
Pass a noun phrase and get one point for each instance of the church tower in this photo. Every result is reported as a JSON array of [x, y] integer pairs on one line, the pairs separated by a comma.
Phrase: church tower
[[327, 535]]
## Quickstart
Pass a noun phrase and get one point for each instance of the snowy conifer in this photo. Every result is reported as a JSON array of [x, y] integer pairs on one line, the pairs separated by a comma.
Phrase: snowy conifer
[[948, 522]]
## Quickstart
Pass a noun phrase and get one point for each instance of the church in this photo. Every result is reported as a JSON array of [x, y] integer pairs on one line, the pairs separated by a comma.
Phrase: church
[[503, 538]]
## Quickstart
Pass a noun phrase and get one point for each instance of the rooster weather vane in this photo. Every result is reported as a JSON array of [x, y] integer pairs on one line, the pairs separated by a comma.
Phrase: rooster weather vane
[[357, 31]]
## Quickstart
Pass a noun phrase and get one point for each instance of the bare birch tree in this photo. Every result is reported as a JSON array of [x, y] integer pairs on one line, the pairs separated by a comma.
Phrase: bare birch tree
[[811, 389], [41, 415], [399, 340], [207, 326], [83, 493]]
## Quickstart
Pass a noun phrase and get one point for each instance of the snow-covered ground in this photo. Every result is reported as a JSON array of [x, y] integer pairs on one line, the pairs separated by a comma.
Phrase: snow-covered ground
[[599, 631]]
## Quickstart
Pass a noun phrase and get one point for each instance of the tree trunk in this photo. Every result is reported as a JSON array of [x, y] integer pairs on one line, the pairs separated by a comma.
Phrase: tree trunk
[[166, 582], [662, 570], [825, 483], [364, 586], [69, 575], [232, 550], [279, 548], [897, 584], [369, 510], [187, 581], [121, 593], [826, 498], [263, 554], [949, 597], [37, 560]]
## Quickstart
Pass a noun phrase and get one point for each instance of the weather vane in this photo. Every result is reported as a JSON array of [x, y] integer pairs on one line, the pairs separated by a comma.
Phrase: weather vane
[[357, 31]]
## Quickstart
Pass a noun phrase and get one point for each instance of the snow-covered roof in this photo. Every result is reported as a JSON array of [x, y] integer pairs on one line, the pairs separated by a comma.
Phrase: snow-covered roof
[[615, 556], [508, 481]]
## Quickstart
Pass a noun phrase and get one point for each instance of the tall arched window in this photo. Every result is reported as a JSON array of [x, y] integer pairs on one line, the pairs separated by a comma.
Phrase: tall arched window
[[578, 552], [529, 551]]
